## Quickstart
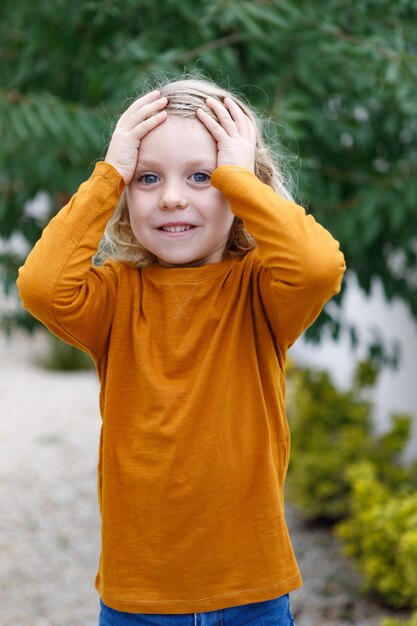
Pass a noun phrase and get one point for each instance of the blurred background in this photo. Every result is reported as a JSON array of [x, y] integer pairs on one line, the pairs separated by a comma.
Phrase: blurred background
[[337, 84]]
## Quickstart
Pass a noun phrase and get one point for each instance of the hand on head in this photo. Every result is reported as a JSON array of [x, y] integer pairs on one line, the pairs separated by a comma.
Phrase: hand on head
[[233, 132], [142, 116]]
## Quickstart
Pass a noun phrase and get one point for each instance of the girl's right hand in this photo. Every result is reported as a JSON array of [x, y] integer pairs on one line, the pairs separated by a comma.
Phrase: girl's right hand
[[141, 117]]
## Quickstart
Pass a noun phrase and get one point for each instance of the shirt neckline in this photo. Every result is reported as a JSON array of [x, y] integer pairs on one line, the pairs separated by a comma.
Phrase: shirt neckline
[[179, 274]]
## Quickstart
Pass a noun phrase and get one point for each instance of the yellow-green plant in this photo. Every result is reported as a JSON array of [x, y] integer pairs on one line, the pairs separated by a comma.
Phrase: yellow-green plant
[[381, 535], [333, 429], [397, 622]]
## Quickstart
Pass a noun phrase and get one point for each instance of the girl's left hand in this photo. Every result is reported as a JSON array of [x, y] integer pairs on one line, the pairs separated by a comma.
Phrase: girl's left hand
[[234, 133]]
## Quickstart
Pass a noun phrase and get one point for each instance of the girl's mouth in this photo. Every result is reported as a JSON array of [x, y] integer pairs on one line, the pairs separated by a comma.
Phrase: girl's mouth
[[176, 229]]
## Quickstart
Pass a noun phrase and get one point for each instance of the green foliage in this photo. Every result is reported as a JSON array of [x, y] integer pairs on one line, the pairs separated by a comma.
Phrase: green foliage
[[381, 534], [397, 622], [342, 472], [338, 77], [332, 430]]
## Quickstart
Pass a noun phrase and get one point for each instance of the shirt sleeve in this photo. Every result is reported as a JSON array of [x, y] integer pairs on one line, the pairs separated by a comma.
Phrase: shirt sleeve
[[301, 265], [58, 283]]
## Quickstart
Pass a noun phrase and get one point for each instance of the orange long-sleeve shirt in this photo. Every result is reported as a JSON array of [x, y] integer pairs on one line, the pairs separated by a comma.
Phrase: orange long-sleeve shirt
[[194, 444]]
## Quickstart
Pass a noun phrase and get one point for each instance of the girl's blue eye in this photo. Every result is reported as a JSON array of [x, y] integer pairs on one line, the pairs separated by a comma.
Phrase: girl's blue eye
[[200, 177], [149, 179]]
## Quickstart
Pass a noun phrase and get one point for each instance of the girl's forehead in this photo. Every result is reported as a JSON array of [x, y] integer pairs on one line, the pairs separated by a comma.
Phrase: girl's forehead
[[178, 124], [182, 134]]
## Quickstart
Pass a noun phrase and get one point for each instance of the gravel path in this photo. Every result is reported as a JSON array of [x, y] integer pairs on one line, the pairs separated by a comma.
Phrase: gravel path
[[49, 523]]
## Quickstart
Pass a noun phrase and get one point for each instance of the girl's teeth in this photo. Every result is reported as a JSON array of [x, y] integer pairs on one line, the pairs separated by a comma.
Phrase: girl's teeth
[[175, 229]]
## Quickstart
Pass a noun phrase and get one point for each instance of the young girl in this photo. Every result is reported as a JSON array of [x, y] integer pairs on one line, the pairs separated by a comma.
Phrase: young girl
[[213, 272]]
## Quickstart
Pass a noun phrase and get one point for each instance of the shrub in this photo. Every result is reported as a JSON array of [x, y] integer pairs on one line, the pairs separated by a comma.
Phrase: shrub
[[397, 622], [381, 535], [331, 430]]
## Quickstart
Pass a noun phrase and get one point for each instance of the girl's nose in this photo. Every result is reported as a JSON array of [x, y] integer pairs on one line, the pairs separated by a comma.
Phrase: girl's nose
[[172, 198]]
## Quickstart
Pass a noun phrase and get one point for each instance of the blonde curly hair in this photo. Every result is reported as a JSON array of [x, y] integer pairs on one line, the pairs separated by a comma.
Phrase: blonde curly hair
[[185, 96]]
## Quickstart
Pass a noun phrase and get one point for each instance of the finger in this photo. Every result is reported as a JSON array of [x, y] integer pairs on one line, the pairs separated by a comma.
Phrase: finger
[[218, 133], [223, 115], [149, 106], [140, 102], [242, 120], [149, 124], [148, 100], [142, 113]]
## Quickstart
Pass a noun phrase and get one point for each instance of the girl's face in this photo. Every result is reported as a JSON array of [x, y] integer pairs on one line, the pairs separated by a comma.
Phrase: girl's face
[[175, 212]]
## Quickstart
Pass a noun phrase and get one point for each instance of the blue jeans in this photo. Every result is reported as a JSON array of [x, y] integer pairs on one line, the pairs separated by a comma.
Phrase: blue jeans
[[268, 613]]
